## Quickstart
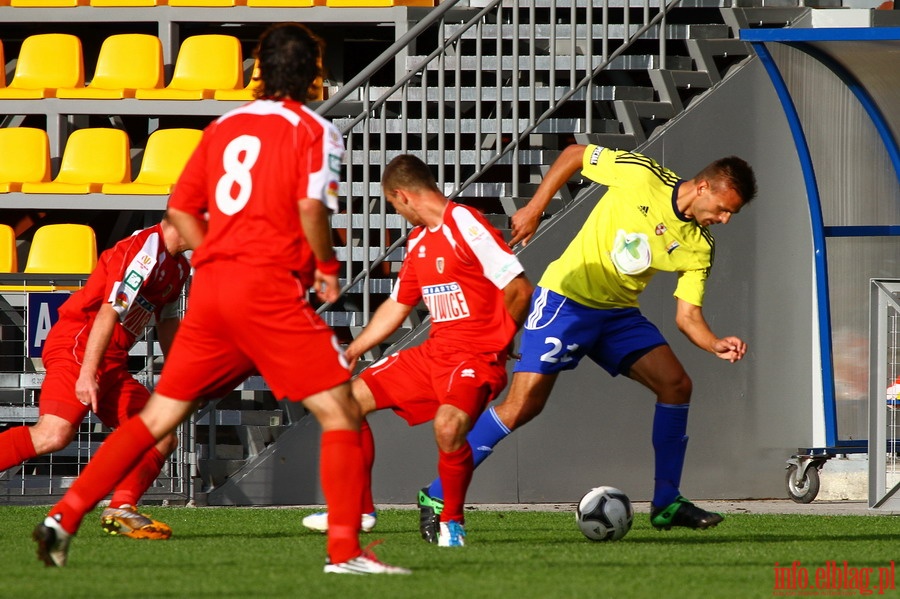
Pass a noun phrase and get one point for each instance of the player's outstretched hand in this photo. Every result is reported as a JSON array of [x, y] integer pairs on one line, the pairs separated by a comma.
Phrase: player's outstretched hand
[[524, 224], [730, 348]]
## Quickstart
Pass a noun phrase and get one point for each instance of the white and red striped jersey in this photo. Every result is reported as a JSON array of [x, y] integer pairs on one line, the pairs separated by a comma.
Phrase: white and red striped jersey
[[459, 270]]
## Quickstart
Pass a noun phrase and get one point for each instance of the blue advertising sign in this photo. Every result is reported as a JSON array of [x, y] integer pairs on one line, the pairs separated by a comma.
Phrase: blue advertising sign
[[43, 311]]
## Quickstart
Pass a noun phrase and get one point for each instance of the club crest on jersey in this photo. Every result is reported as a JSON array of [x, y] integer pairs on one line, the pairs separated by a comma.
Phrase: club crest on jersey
[[439, 264], [660, 229], [445, 302]]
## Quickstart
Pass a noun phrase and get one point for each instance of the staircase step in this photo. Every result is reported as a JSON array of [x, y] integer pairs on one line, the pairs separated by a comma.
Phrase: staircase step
[[343, 319], [357, 254], [470, 126], [358, 221], [640, 62], [617, 142], [383, 286], [242, 417], [536, 93], [563, 33], [466, 157]]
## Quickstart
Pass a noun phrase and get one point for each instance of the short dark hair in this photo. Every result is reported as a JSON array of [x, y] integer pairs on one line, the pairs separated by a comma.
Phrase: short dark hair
[[733, 172], [290, 60], [408, 172]]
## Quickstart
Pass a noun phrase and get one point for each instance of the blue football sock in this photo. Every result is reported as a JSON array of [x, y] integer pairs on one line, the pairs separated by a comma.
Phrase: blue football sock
[[484, 436], [669, 445]]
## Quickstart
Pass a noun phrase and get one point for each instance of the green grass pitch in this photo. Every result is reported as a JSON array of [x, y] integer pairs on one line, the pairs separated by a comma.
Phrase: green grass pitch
[[265, 553]]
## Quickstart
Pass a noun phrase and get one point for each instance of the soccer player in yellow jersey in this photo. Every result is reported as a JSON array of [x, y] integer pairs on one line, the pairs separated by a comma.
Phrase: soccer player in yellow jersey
[[586, 303]]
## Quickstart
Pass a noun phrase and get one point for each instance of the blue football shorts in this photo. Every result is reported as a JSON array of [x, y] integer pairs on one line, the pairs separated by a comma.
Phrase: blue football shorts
[[559, 332]]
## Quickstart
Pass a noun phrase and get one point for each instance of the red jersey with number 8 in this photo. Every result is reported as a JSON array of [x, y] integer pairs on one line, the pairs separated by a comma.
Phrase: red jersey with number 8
[[250, 169]]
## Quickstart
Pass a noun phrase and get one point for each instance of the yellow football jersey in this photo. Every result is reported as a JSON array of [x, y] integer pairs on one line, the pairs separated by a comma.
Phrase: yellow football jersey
[[636, 215]]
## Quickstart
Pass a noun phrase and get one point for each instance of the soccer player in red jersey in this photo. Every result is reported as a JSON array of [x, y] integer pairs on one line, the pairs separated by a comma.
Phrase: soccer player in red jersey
[[477, 295], [136, 283], [254, 201]]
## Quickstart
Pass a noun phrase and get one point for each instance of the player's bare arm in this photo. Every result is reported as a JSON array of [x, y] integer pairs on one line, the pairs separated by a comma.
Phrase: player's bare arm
[[86, 386], [691, 322], [387, 319], [517, 298], [191, 228], [314, 217], [525, 221]]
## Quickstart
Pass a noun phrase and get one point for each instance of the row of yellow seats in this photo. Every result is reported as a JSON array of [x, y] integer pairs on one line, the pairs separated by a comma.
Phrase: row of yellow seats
[[95, 160], [55, 249], [128, 66], [259, 3]]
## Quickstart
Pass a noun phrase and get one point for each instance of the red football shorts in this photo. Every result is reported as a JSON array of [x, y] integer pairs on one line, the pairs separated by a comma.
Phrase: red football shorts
[[246, 319], [120, 395], [416, 381]]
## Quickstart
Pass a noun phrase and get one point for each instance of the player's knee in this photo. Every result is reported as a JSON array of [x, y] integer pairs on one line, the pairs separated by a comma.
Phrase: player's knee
[[450, 431], [50, 439], [680, 389]]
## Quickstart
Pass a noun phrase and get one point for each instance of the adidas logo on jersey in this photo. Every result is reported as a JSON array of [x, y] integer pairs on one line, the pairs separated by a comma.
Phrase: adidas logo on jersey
[[644, 209], [467, 373]]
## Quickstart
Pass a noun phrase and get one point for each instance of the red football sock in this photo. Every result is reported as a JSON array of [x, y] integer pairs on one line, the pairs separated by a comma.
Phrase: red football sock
[[118, 455], [367, 440], [136, 482], [340, 468], [455, 469], [16, 447]]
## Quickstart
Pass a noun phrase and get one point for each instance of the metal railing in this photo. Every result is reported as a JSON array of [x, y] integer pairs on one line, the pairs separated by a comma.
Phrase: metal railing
[[430, 113], [884, 406], [45, 477]]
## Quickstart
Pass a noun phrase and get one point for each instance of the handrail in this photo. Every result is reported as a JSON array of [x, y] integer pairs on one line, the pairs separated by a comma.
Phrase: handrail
[[387, 56], [377, 121]]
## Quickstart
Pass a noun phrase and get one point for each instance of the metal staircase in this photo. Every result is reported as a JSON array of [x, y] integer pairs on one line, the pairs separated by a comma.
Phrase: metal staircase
[[489, 105]]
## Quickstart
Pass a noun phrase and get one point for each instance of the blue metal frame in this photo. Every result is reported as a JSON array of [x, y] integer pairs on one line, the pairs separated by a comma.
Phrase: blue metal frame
[[801, 39]]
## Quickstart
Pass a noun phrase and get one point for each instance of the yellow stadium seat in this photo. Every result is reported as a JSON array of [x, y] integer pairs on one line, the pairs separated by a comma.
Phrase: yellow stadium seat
[[46, 62], [126, 62], [9, 261], [24, 157], [128, 2], [205, 63], [91, 158], [286, 3], [377, 3], [58, 250], [246, 93], [208, 3], [62, 249], [47, 3], [166, 154]]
